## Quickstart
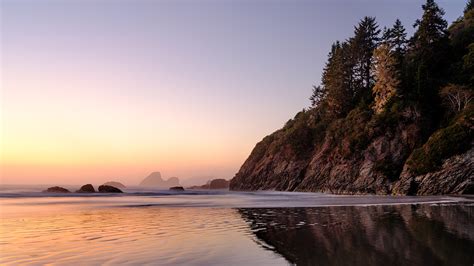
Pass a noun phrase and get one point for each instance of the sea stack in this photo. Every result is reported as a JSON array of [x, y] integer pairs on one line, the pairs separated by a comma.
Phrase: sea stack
[[56, 189], [154, 180], [109, 189], [86, 189], [115, 184]]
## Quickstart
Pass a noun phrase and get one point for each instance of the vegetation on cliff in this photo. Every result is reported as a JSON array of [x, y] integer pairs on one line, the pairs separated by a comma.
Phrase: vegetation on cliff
[[388, 109]]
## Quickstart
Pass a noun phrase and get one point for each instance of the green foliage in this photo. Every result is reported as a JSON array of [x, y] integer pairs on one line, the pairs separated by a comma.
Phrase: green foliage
[[408, 91], [445, 142], [303, 132], [351, 134], [468, 64], [318, 95], [262, 147]]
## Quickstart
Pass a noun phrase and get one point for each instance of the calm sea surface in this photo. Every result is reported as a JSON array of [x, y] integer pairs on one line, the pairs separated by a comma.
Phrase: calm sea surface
[[232, 228]]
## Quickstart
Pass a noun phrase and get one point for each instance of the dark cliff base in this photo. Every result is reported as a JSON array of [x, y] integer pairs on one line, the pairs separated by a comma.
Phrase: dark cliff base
[[364, 153]]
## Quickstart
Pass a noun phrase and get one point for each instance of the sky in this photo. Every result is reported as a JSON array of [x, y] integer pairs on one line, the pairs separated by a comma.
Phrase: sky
[[98, 90]]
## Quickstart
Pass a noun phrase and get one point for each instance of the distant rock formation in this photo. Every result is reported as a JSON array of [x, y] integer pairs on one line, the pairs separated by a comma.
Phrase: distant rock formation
[[115, 184], [219, 183], [109, 189], [56, 190], [155, 180], [86, 189], [177, 188]]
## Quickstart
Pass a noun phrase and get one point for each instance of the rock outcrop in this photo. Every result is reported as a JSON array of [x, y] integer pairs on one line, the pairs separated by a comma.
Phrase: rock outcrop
[[115, 184], [86, 189], [109, 189], [177, 188], [56, 190], [154, 180], [359, 154], [455, 177], [218, 183]]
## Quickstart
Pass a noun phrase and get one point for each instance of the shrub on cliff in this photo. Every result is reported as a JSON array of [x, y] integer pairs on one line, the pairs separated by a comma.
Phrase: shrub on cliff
[[445, 142]]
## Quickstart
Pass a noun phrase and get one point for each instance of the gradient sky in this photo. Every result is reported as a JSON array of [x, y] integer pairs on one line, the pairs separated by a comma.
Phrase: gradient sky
[[98, 90]]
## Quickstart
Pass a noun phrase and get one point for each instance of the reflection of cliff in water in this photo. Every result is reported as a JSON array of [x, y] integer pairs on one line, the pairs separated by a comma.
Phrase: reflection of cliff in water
[[375, 235]]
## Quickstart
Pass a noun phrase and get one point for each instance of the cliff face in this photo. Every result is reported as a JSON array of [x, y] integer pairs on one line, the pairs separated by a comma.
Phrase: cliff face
[[455, 177], [362, 153]]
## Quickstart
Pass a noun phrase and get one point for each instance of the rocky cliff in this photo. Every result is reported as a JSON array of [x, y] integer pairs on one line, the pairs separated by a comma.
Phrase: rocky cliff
[[390, 116], [363, 153]]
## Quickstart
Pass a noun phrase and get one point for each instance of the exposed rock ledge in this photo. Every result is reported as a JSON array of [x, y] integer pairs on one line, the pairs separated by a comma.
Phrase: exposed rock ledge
[[358, 155], [455, 177]]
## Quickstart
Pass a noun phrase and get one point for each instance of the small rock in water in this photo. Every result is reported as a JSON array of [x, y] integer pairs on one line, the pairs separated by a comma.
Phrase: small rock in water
[[86, 189], [56, 190], [115, 184], [109, 189], [177, 188]]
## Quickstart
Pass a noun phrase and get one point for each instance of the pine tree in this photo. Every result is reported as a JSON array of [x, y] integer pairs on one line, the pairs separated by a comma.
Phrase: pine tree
[[429, 53], [365, 40], [336, 80], [398, 38], [386, 76], [386, 35], [432, 28]]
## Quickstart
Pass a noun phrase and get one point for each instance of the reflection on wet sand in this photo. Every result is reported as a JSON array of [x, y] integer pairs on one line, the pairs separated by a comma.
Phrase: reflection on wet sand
[[373, 235], [136, 236]]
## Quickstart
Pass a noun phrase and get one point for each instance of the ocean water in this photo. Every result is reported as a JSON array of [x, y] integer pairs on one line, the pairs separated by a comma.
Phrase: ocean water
[[232, 228]]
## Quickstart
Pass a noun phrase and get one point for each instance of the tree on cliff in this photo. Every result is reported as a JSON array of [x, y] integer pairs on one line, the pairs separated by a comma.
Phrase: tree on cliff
[[386, 76], [461, 34], [336, 80], [429, 53], [396, 38], [362, 45], [335, 145], [456, 97], [468, 64]]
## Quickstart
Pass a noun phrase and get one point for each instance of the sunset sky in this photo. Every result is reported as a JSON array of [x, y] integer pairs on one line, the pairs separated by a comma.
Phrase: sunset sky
[[95, 90]]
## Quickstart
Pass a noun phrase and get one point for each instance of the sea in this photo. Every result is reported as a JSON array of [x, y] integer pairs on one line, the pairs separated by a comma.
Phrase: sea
[[219, 227]]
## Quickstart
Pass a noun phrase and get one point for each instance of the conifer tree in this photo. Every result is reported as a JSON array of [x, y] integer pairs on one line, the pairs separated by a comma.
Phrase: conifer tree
[[431, 28], [365, 40], [336, 80], [386, 76], [398, 38], [429, 53]]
